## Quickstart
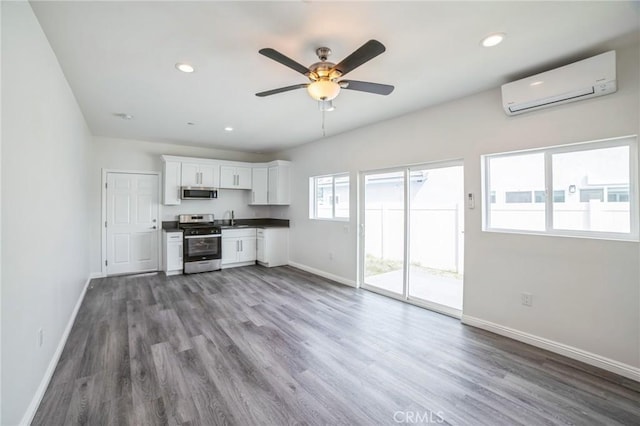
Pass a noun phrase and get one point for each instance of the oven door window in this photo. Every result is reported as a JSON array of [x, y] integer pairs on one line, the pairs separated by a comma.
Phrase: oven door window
[[198, 247]]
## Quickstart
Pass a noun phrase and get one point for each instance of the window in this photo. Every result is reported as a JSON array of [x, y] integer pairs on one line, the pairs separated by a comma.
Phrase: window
[[329, 197], [617, 195], [594, 189], [518, 196], [589, 194], [558, 196]]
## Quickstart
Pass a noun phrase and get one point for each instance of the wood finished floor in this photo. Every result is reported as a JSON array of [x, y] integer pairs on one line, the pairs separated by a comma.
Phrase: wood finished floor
[[258, 346]]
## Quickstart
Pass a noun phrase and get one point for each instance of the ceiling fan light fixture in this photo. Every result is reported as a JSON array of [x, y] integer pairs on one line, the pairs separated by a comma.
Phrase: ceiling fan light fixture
[[323, 90]]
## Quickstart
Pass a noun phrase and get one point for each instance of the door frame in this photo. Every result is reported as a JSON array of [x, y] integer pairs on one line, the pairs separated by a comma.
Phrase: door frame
[[404, 297], [103, 214]]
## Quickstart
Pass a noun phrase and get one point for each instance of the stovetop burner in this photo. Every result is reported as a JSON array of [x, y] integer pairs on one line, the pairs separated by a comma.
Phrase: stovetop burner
[[198, 224]]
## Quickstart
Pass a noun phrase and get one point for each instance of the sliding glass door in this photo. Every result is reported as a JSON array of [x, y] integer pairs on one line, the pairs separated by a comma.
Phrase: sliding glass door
[[436, 236], [384, 219], [412, 234]]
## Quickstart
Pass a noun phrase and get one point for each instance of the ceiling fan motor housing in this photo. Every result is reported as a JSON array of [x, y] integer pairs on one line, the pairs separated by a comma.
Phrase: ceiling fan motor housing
[[323, 53]]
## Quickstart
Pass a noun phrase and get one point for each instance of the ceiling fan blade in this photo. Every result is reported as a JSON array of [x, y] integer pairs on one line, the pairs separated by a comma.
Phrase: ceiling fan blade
[[365, 86], [364, 53], [284, 60], [280, 90]]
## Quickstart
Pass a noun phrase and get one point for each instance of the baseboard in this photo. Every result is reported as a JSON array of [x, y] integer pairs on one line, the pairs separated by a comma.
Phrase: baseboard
[[37, 398], [595, 360], [323, 274], [96, 275]]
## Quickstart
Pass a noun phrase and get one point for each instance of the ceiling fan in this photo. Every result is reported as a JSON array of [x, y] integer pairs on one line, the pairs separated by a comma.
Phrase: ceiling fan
[[324, 77]]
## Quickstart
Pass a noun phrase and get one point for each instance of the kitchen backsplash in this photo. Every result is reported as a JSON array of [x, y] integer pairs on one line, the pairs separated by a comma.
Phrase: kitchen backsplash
[[228, 199]]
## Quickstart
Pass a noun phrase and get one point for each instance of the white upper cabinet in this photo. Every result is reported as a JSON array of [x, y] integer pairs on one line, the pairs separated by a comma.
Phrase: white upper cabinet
[[199, 174], [235, 177], [279, 183], [260, 186], [271, 183], [171, 180]]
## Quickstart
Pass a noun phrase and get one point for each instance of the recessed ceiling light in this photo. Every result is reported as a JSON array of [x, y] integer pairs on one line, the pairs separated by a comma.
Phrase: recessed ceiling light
[[123, 115], [493, 39], [536, 83], [228, 129], [184, 67]]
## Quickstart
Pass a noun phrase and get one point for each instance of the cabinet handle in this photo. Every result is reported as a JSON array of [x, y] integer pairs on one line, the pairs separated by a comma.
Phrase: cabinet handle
[[238, 245], [253, 196], [241, 245]]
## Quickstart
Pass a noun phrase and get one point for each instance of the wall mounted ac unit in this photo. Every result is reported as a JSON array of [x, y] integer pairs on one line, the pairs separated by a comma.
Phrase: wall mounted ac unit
[[595, 76]]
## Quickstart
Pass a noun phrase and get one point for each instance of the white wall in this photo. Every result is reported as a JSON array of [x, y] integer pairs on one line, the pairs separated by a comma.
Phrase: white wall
[[134, 155], [45, 144], [586, 292]]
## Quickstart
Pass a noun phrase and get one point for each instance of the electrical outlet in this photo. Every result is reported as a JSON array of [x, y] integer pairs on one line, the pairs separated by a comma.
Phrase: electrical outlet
[[40, 337], [527, 299]]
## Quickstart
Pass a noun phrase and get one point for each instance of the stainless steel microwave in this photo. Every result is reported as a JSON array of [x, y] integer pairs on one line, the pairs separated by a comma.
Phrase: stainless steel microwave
[[198, 193]]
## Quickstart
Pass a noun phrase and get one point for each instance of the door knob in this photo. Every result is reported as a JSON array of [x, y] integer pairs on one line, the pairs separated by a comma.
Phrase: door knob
[[154, 227]]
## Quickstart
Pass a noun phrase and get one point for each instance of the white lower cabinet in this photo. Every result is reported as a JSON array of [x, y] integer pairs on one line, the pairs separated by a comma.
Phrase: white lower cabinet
[[273, 246], [238, 247], [172, 252]]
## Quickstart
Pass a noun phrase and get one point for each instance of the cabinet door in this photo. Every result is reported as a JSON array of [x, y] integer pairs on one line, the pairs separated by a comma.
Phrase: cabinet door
[[227, 177], [229, 250], [209, 175], [174, 256], [247, 249], [260, 254], [279, 181], [172, 179], [243, 177], [259, 185], [190, 174]]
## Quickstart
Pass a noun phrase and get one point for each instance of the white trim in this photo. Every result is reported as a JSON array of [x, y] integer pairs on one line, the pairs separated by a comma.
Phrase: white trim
[[103, 215], [27, 418], [590, 358], [327, 275], [95, 275]]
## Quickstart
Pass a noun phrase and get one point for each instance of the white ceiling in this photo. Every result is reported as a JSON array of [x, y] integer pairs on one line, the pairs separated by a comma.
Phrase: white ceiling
[[119, 57]]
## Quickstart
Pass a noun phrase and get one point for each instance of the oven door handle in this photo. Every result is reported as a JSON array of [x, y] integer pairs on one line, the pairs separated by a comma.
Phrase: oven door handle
[[203, 236]]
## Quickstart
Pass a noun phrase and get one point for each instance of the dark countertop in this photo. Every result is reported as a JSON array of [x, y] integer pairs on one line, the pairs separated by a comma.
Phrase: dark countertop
[[254, 223], [172, 225]]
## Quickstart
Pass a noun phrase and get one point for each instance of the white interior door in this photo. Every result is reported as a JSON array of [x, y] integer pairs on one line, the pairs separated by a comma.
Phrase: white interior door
[[132, 223]]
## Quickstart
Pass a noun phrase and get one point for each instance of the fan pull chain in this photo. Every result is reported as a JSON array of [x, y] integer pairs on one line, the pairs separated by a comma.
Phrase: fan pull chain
[[323, 131]]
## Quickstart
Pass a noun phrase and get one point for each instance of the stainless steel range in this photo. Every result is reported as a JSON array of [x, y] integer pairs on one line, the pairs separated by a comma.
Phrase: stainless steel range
[[202, 243]]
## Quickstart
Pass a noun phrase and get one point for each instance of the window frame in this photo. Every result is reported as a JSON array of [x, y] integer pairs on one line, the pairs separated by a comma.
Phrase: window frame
[[630, 141], [313, 206]]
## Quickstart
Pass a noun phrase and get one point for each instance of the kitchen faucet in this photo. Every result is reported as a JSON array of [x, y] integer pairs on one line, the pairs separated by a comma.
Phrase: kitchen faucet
[[232, 218]]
